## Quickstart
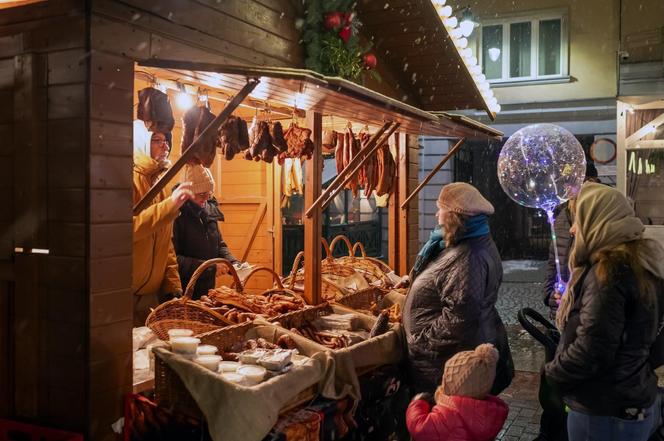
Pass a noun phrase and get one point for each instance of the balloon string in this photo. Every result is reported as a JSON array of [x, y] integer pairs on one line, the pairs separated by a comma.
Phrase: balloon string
[[560, 285]]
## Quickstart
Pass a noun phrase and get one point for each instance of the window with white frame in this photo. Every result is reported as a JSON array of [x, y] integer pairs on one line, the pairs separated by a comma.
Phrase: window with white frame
[[524, 48]]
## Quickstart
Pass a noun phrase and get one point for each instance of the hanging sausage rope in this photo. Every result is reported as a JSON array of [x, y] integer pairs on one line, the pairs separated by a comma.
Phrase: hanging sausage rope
[[210, 130], [339, 179], [371, 150]]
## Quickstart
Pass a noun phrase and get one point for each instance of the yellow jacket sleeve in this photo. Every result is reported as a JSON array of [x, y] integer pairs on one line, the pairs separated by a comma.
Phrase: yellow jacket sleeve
[[153, 218], [171, 283]]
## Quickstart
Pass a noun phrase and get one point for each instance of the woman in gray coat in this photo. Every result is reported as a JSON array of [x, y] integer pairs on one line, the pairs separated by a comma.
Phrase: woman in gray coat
[[455, 280]]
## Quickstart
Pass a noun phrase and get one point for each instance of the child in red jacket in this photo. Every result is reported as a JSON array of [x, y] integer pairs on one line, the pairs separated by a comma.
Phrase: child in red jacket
[[463, 410]]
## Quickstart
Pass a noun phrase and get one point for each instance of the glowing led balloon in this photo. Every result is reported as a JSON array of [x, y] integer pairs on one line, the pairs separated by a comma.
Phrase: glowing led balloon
[[541, 166]]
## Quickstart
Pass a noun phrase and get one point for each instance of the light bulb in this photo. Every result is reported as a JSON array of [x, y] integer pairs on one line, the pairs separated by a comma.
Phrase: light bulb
[[494, 54], [451, 22], [184, 101], [446, 11], [461, 43], [438, 2], [475, 69], [466, 53], [472, 60], [466, 27], [456, 33], [483, 86]]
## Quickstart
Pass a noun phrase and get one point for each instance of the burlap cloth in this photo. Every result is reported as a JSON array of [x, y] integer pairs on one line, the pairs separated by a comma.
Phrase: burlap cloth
[[248, 413]]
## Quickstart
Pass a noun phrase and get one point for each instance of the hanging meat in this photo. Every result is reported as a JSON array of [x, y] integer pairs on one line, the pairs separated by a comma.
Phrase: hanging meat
[[339, 152], [261, 143], [299, 142], [370, 168], [229, 137], [387, 171], [154, 110], [329, 141], [194, 121], [277, 135], [351, 149], [292, 176]]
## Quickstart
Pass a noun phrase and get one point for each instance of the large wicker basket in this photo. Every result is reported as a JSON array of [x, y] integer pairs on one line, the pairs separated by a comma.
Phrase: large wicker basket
[[171, 393], [187, 313], [373, 273], [331, 274]]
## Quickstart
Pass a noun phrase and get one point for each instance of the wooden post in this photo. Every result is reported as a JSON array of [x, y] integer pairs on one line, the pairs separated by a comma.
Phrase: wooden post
[[621, 159], [393, 216], [313, 225], [403, 214]]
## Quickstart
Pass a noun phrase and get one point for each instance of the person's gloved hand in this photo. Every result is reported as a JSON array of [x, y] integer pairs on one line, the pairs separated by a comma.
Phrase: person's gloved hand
[[426, 396]]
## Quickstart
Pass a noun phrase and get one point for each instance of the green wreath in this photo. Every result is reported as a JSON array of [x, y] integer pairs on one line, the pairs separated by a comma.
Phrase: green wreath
[[331, 40]]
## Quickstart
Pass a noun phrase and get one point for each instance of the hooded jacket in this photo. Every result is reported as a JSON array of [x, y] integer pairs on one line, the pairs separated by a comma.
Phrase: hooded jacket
[[197, 238], [456, 418], [155, 268], [451, 308]]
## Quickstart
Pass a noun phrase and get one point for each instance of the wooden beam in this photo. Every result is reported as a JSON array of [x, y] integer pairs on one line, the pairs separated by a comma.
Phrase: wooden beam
[[346, 171], [431, 174], [393, 219], [210, 130], [350, 176], [402, 164], [645, 130], [621, 160], [649, 144], [313, 228], [253, 230]]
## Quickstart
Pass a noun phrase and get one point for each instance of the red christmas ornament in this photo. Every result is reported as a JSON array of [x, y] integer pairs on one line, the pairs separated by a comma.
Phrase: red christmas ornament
[[332, 20], [370, 60], [344, 33]]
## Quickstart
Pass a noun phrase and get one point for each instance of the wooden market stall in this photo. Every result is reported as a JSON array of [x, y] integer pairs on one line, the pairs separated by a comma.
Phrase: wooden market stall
[[258, 183], [67, 77]]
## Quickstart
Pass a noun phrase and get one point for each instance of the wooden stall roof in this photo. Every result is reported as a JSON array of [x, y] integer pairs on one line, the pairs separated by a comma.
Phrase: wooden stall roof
[[420, 43], [309, 90]]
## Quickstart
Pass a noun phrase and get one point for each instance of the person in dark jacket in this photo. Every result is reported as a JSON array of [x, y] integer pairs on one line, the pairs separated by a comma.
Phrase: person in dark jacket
[[451, 303], [609, 318], [196, 235], [561, 226]]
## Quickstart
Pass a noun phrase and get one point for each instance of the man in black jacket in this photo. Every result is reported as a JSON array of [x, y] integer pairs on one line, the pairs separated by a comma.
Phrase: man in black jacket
[[196, 235]]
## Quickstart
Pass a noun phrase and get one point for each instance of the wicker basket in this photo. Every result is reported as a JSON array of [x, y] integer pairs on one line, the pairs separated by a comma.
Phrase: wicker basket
[[187, 313], [171, 393], [363, 300], [373, 273], [331, 273]]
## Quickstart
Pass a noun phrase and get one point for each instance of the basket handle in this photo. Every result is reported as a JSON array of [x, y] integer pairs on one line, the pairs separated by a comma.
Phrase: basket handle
[[345, 240], [275, 276], [205, 265], [296, 266], [326, 247], [362, 250]]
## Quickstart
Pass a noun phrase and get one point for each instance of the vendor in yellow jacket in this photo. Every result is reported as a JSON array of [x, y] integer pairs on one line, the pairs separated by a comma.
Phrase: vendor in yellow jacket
[[155, 269]]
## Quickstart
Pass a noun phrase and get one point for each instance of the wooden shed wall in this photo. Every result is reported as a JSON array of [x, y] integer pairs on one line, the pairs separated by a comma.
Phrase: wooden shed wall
[[43, 157]]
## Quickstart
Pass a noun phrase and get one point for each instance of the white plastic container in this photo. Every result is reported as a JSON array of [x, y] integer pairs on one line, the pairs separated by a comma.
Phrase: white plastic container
[[228, 366], [179, 333], [185, 345], [207, 350], [234, 377], [253, 374], [210, 362]]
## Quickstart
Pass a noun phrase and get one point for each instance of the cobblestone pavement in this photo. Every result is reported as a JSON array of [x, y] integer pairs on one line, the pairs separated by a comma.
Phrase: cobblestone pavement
[[522, 287]]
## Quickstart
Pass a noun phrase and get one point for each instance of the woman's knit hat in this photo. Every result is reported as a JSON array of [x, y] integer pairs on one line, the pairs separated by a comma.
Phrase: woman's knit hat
[[200, 177], [465, 199], [471, 373]]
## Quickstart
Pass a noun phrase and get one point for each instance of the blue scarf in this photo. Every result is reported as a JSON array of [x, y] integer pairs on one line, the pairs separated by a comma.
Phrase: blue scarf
[[475, 226]]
